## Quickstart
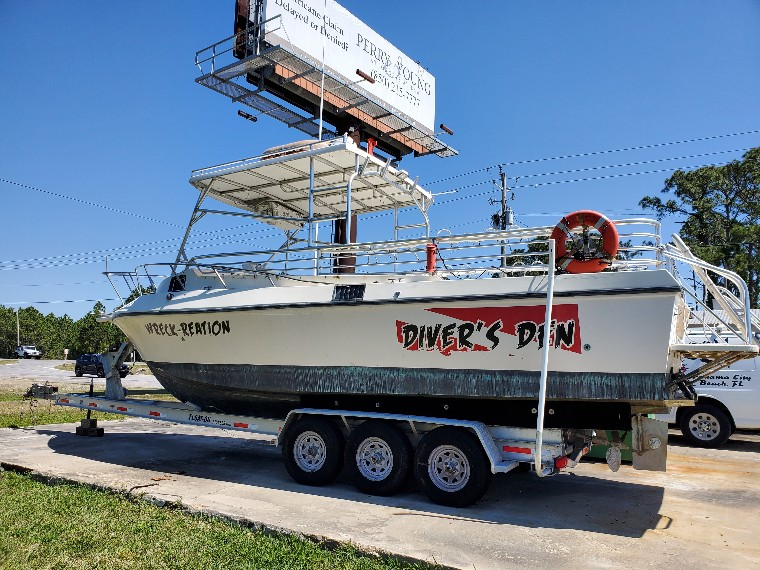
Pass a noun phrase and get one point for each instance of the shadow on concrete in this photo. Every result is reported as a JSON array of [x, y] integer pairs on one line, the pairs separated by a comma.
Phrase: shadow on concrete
[[566, 501]]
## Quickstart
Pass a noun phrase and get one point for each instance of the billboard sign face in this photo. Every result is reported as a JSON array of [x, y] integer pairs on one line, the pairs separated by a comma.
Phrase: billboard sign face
[[313, 25]]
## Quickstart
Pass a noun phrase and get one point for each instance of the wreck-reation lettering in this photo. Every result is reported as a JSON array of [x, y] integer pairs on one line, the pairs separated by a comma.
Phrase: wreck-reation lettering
[[189, 328]]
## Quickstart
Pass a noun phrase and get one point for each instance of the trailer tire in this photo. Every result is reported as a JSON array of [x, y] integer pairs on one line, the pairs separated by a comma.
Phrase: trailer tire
[[451, 467], [378, 458], [705, 426], [313, 451]]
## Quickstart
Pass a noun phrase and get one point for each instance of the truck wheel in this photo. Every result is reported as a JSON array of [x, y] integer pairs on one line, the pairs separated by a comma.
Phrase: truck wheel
[[705, 426], [78, 373], [101, 373], [313, 451], [451, 467], [378, 458]]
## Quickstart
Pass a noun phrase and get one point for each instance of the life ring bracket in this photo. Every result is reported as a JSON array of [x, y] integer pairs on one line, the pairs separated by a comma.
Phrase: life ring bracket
[[580, 259]]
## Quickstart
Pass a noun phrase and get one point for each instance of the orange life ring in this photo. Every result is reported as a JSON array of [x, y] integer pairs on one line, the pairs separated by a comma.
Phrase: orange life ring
[[578, 261]]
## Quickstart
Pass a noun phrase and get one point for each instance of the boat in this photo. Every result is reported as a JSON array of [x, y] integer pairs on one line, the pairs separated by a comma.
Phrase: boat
[[430, 323], [443, 326]]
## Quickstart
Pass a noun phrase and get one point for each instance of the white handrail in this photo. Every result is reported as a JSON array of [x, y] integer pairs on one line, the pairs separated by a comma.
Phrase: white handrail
[[538, 463], [681, 252]]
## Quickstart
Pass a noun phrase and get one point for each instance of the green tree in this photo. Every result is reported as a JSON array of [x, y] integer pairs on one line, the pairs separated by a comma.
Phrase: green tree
[[53, 334], [31, 325], [138, 292], [721, 207], [7, 332], [91, 336]]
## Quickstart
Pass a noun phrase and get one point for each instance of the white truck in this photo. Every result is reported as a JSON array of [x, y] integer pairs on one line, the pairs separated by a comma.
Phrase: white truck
[[727, 400], [28, 351]]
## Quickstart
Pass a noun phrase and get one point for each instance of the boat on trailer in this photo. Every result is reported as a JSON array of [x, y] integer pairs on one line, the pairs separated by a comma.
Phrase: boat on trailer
[[450, 356], [449, 326]]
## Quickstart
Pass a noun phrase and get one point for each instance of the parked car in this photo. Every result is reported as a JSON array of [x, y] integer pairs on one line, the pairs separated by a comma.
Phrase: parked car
[[727, 400], [28, 351], [93, 364]]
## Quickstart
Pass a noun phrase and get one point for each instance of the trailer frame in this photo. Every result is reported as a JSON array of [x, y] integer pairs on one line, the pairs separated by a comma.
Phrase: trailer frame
[[503, 448]]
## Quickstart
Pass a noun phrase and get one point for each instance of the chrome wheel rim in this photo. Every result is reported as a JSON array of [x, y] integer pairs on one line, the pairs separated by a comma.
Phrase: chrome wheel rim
[[310, 451], [374, 459], [704, 426], [448, 468]]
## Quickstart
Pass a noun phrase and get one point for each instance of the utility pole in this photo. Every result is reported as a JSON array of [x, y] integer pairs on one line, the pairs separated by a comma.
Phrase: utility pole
[[503, 176], [18, 328], [507, 217]]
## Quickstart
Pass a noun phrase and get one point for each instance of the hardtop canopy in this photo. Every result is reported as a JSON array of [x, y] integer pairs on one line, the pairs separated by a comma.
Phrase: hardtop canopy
[[338, 177]]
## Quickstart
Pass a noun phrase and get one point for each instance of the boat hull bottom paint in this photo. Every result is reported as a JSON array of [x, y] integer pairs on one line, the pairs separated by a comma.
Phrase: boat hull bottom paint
[[494, 397]]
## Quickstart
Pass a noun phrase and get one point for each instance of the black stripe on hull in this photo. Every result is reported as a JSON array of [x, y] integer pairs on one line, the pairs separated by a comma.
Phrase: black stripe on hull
[[499, 397]]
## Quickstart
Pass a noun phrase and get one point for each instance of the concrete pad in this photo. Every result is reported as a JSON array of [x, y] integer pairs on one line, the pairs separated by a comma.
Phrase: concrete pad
[[702, 511]]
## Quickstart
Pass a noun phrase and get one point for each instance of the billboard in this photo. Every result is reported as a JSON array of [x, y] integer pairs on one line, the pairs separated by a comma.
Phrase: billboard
[[317, 27]]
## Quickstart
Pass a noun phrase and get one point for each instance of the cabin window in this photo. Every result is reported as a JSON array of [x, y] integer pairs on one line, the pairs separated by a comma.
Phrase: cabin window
[[177, 283]]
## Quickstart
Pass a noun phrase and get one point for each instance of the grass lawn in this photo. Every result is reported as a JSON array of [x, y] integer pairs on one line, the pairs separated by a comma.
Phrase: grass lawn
[[18, 412], [71, 526], [65, 526]]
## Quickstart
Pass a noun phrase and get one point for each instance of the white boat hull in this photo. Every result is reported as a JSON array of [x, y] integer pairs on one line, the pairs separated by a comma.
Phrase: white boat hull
[[246, 350]]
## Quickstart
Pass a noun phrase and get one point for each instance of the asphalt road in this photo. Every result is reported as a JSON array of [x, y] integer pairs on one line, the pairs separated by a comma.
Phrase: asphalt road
[[702, 512]]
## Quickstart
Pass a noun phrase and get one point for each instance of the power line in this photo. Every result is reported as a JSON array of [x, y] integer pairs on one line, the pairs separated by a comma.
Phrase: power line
[[76, 258], [569, 181], [56, 302], [654, 161], [607, 176], [88, 203], [58, 284], [50, 261], [590, 169], [72, 261], [594, 153]]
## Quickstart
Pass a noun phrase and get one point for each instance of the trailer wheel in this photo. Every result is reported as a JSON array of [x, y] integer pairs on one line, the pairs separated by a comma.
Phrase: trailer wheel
[[378, 457], [451, 467], [705, 426], [313, 451]]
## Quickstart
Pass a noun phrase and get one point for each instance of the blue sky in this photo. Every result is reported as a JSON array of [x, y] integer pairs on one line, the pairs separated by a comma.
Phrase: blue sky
[[101, 121]]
